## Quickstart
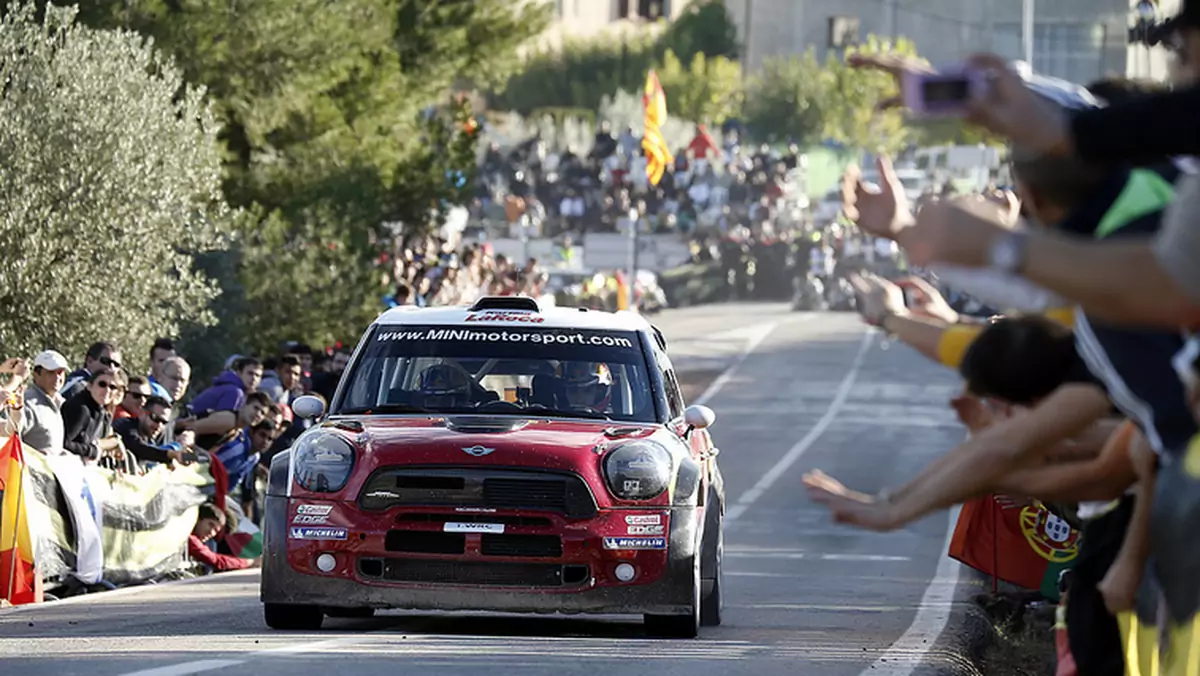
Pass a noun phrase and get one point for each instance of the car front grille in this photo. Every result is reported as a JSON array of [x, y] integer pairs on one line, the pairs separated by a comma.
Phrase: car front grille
[[481, 573], [547, 546], [563, 493]]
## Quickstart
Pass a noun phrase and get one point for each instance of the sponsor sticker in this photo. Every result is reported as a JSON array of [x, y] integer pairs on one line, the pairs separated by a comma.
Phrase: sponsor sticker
[[522, 317], [452, 527], [300, 533], [383, 494], [645, 530], [311, 519], [315, 510], [643, 519], [635, 543], [475, 510]]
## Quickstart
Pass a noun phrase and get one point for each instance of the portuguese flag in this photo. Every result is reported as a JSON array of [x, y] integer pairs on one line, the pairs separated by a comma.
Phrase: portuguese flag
[[1028, 547]]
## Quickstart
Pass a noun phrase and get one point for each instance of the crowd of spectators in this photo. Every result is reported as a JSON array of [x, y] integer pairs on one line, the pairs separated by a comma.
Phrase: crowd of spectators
[[104, 415], [708, 188], [1084, 394]]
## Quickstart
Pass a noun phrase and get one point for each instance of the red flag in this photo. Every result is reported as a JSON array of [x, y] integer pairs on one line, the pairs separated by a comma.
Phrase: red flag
[[220, 481], [19, 582], [1026, 547]]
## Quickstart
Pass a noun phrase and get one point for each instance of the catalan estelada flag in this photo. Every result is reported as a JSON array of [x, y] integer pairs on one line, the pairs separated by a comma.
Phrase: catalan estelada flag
[[658, 155], [18, 576]]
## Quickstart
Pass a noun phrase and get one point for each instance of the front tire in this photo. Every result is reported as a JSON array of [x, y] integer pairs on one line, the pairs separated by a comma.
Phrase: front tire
[[713, 604], [679, 626], [293, 618]]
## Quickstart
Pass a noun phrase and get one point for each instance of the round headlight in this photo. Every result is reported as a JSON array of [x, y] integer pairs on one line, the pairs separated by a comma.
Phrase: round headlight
[[323, 462], [638, 470]]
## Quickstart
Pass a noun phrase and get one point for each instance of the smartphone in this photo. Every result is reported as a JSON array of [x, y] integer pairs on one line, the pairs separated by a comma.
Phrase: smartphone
[[944, 94]]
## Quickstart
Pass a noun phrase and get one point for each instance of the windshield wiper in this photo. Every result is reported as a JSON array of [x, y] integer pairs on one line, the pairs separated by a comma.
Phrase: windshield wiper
[[551, 413], [383, 408]]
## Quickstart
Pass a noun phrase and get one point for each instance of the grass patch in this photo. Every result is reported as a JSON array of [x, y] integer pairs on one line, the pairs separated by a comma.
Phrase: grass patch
[[1024, 644]]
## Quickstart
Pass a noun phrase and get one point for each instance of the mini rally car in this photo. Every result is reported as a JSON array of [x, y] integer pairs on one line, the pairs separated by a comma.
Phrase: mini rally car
[[502, 458]]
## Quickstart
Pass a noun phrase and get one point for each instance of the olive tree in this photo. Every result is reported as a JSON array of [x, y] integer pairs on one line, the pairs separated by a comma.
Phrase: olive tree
[[110, 183]]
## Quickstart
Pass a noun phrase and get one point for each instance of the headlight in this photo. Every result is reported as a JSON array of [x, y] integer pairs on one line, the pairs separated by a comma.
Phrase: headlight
[[323, 462], [638, 470]]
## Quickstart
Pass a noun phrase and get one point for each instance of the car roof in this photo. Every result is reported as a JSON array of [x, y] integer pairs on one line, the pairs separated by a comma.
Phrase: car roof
[[550, 318]]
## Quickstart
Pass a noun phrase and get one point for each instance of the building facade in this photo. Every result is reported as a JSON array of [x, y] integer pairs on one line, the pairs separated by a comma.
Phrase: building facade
[[1078, 40], [575, 19]]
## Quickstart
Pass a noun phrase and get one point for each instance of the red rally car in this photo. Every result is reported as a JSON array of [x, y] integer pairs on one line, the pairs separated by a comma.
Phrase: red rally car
[[500, 457]]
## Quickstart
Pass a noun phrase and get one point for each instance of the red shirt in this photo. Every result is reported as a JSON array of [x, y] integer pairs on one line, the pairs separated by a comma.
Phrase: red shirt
[[219, 562]]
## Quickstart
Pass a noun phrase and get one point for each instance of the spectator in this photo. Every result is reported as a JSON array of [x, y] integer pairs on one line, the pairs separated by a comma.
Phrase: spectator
[[143, 435], [163, 350], [42, 422], [210, 521], [235, 449], [137, 391], [285, 383], [85, 418], [99, 355], [216, 409]]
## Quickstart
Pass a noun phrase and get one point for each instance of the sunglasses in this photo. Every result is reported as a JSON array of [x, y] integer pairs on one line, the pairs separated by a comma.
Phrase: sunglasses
[[105, 385], [143, 396], [161, 420], [110, 362]]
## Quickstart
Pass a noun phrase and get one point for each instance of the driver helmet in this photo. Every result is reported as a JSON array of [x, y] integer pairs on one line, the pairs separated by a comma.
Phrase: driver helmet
[[443, 386], [587, 384]]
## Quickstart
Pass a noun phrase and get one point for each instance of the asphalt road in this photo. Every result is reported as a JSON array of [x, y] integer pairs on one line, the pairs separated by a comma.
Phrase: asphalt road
[[804, 596]]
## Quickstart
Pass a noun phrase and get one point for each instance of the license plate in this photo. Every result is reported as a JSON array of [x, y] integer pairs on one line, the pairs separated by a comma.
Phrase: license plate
[[451, 527]]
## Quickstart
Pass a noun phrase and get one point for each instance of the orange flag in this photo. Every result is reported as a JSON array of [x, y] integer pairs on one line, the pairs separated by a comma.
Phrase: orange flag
[[658, 154], [18, 576]]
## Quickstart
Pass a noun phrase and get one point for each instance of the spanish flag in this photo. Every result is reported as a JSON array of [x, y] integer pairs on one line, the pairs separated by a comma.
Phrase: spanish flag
[[658, 155], [18, 577]]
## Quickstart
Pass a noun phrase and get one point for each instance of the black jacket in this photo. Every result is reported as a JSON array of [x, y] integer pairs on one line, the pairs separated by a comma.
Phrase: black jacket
[[142, 448], [1145, 129], [84, 421]]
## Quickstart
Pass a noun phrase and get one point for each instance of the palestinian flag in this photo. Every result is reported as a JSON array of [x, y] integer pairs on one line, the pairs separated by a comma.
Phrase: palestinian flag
[[242, 538], [1027, 547]]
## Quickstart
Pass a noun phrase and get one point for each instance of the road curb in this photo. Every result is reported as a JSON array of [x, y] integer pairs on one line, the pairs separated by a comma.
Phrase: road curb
[[968, 634]]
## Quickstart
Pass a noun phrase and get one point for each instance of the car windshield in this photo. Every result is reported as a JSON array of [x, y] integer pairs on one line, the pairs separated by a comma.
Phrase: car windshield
[[514, 370]]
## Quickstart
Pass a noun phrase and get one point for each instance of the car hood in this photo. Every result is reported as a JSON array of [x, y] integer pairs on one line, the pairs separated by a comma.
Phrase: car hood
[[497, 441]]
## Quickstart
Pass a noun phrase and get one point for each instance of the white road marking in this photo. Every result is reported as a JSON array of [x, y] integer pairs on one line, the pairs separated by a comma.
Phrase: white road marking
[[795, 452], [795, 556], [755, 340], [199, 666], [907, 653], [186, 668]]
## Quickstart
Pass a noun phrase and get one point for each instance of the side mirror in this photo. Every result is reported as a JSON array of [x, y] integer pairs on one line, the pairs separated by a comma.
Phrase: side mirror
[[697, 418], [308, 407]]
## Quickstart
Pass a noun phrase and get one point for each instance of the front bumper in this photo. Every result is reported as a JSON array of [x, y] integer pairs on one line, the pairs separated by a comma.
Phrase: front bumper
[[664, 584]]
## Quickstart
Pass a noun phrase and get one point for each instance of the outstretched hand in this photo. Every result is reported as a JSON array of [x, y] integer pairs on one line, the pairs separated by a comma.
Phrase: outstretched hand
[[877, 297], [849, 506], [882, 211], [924, 299]]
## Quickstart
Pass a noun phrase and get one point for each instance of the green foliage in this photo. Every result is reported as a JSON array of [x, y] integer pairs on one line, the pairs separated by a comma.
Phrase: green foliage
[[952, 132], [325, 116], [709, 90], [853, 117], [579, 74], [786, 99], [110, 185], [705, 27], [584, 71]]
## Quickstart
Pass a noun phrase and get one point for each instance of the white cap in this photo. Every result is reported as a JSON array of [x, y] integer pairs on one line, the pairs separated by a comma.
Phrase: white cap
[[51, 361]]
